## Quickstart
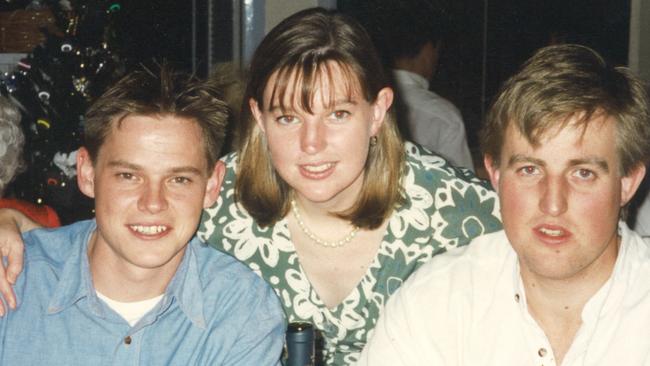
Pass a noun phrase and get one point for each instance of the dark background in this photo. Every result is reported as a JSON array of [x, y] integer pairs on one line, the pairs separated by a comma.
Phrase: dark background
[[488, 40]]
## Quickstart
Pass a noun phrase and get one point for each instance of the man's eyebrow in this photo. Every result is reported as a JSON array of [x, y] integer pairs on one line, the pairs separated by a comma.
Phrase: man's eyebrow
[[591, 160], [187, 169], [123, 164], [519, 158]]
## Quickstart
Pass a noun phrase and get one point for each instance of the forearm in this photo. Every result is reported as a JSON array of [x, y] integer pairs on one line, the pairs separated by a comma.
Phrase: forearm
[[12, 223], [13, 218]]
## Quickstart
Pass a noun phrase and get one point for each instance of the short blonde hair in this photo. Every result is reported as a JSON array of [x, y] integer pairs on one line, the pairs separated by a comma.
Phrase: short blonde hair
[[560, 82], [307, 45]]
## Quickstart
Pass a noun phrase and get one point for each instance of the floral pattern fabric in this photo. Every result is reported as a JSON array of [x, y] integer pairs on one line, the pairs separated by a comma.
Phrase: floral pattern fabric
[[445, 207]]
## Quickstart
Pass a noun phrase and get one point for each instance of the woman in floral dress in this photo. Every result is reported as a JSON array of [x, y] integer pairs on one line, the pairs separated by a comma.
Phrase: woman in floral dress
[[322, 197]]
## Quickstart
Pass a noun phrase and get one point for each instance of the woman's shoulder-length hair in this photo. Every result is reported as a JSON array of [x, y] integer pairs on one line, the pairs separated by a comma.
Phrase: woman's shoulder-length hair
[[311, 44]]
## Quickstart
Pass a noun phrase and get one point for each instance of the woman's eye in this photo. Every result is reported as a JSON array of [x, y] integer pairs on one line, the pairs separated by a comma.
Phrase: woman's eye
[[287, 120], [340, 114]]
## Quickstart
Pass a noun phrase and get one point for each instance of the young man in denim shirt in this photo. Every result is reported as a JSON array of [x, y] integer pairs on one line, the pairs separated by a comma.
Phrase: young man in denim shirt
[[134, 286]]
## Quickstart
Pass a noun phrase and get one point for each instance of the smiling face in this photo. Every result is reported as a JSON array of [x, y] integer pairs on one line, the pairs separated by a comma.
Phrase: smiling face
[[560, 201], [150, 182], [321, 154]]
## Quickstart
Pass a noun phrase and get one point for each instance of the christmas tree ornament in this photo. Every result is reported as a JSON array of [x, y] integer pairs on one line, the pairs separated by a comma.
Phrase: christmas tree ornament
[[44, 96]]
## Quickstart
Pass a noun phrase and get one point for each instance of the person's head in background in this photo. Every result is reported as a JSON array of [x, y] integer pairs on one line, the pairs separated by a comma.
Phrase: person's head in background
[[12, 141], [565, 145], [411, 34], [318, 105]]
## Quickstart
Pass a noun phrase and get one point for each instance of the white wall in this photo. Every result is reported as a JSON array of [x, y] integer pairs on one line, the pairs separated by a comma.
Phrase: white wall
[[277, 10], [639, 54], [258, 17]]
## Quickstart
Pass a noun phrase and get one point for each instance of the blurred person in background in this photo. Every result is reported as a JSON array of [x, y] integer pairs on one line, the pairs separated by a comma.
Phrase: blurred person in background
[[413, 35], [12, 141]]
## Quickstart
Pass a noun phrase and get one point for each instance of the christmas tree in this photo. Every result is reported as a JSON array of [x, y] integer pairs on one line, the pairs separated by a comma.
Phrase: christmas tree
[[52, 87]]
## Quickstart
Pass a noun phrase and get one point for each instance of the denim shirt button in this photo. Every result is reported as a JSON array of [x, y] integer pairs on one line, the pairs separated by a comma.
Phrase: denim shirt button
[[127, 340]]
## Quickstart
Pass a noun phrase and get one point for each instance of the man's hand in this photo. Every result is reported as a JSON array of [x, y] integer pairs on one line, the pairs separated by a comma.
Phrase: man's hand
[[12, 222]]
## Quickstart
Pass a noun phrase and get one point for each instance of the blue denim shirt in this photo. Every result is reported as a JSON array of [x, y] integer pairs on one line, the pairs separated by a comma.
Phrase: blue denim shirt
[[215, 311]]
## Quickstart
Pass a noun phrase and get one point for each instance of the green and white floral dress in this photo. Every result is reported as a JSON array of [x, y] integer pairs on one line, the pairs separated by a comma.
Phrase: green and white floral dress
[[445, 207]]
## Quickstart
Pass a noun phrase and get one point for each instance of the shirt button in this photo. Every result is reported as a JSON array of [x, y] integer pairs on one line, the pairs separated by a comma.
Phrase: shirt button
[[127, 340], [542, 352], [517, 297]]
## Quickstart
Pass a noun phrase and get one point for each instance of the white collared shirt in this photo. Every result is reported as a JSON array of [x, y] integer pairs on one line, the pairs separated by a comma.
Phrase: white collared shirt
[[642, 223], [433, 121], [468, 307]]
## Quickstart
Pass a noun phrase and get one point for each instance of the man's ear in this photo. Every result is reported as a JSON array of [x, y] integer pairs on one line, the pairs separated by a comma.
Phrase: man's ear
[[492, 170], [256, 112], [631, 182], [380, 108], [85, 173], [213, 186]]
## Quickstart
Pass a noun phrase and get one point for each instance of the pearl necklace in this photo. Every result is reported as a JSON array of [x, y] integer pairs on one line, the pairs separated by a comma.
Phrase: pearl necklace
[[330, 244]]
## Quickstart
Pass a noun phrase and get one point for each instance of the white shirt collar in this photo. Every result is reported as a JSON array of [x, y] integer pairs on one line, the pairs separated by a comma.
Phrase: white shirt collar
[[407, 77]]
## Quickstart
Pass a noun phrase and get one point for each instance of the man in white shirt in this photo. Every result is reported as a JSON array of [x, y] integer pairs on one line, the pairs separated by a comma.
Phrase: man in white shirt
[[413, 33], [566, 281]]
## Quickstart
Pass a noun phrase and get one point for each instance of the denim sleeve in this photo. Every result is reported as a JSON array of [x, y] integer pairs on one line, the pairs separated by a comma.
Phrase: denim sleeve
[[3, 332], [261, 337]]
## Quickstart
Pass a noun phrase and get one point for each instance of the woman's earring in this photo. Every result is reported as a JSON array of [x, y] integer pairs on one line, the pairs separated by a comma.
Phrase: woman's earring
[[373, 140]]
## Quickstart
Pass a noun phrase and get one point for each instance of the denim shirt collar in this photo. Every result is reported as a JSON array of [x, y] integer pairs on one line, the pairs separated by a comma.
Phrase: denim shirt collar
[[186, 287], [76, 283]]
